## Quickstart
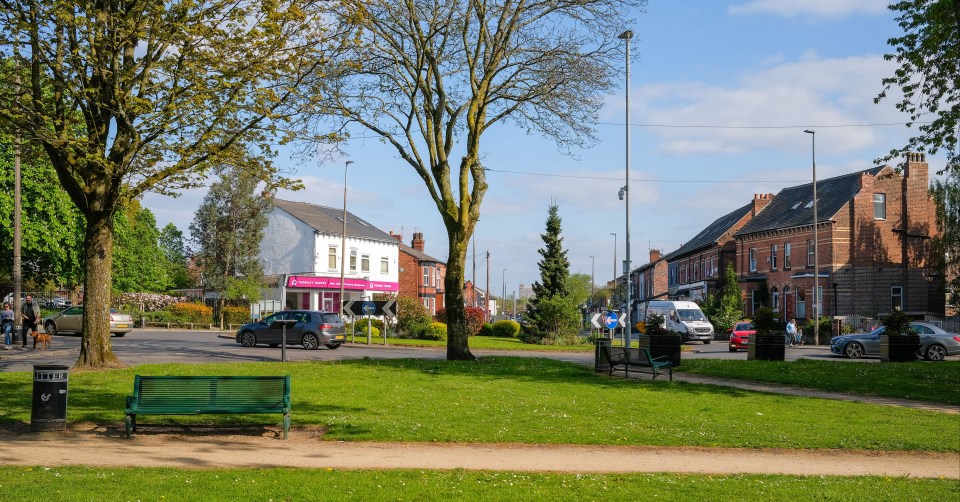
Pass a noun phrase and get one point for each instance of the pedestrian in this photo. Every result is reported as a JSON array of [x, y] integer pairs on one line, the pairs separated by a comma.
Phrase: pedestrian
[[6, 324], [30, 314], [791, 332]]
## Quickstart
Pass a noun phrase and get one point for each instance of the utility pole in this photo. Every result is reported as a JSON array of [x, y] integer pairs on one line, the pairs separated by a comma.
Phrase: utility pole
[[486, 297]]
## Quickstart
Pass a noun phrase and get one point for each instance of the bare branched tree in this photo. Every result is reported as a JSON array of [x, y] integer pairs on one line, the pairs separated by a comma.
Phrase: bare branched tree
[[430, 77]]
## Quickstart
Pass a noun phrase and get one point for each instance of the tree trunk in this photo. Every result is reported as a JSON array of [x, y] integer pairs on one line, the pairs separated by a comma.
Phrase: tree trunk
[[458, 348], [96, 350]]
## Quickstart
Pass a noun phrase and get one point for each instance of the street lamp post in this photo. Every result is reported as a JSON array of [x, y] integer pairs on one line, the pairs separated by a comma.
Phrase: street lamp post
[[626, 36], [592, 280], [343, 236], [614, 294], [503, 294], [816, 254]]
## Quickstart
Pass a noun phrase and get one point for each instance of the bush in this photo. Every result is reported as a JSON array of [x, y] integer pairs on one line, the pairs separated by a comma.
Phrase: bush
[[506, 328], [236, 315], [475, 317], [486, 330], [435, 331], [411, 314], [197, 313], [361, 325], [362, 330], [147, 302]]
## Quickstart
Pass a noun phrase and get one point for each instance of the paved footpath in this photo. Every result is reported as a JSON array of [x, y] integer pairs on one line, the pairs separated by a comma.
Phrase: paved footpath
[[102, 447]]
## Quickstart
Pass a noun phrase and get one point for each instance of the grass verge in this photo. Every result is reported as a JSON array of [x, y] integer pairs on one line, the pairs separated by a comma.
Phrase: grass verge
[[476, 342], [87, 483], [524, 400], [936, 382]]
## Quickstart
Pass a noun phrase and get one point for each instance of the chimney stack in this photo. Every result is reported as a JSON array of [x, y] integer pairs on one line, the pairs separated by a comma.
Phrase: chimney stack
[[398, 237], [654, 255], [417, 242], [760, 201]]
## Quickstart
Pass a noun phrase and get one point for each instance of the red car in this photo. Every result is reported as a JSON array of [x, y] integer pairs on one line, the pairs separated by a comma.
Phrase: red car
[[739, 335]]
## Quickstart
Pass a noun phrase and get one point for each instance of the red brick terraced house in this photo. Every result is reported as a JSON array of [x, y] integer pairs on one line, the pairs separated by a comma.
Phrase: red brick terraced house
[[421, 275], [649, 281], [696, 268], [875, 254]]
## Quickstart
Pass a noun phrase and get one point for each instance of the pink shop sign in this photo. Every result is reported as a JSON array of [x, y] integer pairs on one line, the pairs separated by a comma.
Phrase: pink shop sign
[[313, 282]]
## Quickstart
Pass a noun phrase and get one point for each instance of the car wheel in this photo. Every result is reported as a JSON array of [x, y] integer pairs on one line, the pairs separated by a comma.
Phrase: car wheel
[[733, 349], [248, 339], [50, 328], [707, 342], [853, 350], [310, 341], [936, 352], [119, 335], [333, 346]]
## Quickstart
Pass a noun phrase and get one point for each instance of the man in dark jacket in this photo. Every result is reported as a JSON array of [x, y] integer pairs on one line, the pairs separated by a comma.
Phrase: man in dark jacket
[[30, 313]]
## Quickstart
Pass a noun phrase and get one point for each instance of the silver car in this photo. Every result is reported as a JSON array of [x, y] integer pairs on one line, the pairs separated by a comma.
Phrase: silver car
[[935, 343], [70, 320]]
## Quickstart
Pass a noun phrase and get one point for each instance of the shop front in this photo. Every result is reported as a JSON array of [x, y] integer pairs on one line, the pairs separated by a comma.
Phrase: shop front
[[323, 293]]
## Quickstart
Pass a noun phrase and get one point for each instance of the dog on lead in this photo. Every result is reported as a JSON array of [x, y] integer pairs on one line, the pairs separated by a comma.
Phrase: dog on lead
[[43, 339]]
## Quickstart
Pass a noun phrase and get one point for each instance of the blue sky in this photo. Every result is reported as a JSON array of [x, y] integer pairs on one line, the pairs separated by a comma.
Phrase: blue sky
[[771, 68]]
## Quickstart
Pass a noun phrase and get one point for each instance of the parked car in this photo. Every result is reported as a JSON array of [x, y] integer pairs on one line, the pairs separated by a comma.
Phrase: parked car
[[311, 328], [55, 302], [739, 334], [935, 343], [70, 320]]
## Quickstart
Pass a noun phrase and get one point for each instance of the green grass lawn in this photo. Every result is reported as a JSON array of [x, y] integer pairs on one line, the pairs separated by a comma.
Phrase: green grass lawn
[[526, 400], [90, 483], [937, 382], [476, 342]]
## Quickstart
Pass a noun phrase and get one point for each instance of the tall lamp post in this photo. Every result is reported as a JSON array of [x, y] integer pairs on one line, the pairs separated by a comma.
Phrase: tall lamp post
[[343, 236], [503, 294], [625, 193], [816, 254], [592, 280], [614, 234]]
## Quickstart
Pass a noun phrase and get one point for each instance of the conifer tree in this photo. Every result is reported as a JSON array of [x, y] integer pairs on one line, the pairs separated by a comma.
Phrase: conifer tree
[[554, 266]]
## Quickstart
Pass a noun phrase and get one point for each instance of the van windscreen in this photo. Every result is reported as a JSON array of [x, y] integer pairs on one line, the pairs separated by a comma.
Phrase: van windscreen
[[690, 315]]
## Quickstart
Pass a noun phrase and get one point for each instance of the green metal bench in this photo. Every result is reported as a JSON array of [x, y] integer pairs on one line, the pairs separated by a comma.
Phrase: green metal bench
[[638, 360], [196, 395]]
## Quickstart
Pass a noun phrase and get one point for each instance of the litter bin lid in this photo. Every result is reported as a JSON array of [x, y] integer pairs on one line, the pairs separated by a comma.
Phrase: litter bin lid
[[50, 367]]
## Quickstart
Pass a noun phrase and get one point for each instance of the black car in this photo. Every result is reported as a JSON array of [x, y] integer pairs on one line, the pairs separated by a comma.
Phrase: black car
[[311, 328]]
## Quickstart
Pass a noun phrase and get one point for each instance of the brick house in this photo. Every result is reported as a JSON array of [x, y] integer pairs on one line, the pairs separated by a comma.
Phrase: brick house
[[875, 255], [421, 275], [696, 268], [650, 280]]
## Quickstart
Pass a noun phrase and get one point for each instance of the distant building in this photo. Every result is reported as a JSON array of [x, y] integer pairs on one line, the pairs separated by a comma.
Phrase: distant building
[[302, 251], [421, 275]]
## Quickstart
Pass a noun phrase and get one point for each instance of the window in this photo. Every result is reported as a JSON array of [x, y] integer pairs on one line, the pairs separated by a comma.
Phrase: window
[[353, 260], [775, 299], [773, 257], [332, 258], [879, 206], [426, 277], [683, 274], [365, 263], [384, 265], [713, 266], [810, 253], [755, 300], [801, 303], [753, 259], [786, 256], [896, 297], [696, 271]]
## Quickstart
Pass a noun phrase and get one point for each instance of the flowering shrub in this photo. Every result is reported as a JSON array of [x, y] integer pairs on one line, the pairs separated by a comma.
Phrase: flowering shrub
[[475, 319], [436, 331], [506, 328], [191, 312], [236, 315], [148, 302]]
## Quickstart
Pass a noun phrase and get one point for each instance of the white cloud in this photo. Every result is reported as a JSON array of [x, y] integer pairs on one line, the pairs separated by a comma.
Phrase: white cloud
[[819, 8]]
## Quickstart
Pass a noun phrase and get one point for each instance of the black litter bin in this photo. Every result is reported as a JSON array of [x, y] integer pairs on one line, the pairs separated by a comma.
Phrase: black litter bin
[[600, 362], [49, 397]]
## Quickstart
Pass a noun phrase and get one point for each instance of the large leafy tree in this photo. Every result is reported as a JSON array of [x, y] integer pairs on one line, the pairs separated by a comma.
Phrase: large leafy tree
[[174, 248], [51, 226], [554, 268], [946, 195], [227, 229], [127, 97], [724, 307], [432, 76], [928, 55], [139, 264]]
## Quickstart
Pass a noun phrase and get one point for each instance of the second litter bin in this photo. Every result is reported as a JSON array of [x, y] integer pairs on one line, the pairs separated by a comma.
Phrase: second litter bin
[[49, 410]]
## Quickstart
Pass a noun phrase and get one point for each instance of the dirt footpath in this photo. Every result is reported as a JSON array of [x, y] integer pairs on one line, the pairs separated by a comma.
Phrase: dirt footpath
[[92, 445]]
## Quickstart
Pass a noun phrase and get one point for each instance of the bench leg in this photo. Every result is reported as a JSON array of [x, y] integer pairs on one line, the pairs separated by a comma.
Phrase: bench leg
[[286, 424], [128, 423]]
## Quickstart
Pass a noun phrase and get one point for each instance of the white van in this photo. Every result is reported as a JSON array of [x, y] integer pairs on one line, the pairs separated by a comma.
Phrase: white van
[[685, 318]]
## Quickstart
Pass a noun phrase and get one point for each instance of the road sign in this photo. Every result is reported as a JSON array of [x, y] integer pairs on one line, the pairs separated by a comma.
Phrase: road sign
[[595, 320], [610, 320], [366, 307]]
